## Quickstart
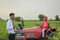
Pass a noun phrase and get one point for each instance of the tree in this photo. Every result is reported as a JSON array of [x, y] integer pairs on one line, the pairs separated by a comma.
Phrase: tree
[[57, 18], [41, 16], [17, 18]]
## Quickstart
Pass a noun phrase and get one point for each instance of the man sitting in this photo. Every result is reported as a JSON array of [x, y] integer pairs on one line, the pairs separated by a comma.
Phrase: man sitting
[[45, 26]]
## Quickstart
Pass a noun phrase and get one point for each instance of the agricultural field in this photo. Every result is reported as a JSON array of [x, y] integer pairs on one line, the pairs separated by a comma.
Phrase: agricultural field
[[29, 24]]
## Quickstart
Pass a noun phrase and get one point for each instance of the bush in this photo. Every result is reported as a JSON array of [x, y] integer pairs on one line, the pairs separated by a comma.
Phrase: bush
[[57, 18]]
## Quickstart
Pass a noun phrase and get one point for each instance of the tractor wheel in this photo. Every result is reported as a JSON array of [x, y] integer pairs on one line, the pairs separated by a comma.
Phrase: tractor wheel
[[50, 34], [46, 38]]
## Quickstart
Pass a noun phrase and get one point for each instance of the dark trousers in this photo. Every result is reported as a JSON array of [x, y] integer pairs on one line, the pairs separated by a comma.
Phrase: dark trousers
[[11, 37]]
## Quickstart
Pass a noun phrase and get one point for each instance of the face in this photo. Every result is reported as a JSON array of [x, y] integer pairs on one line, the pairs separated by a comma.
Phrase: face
[[12, 17], [45, 19]]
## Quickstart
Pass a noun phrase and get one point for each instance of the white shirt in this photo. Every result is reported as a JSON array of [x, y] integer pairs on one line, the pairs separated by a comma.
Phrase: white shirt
[[9, 27]]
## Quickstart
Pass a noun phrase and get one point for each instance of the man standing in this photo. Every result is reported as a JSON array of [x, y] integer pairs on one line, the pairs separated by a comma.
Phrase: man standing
[[11, 27]]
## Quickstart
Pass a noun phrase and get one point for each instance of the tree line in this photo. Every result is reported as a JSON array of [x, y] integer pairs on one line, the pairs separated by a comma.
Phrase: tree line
[[40, 16]]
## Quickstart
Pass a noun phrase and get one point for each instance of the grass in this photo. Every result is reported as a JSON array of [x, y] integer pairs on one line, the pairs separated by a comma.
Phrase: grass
[[28, 24]]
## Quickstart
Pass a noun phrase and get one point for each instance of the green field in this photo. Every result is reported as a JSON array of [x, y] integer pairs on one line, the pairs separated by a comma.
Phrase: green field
[[28, 24]]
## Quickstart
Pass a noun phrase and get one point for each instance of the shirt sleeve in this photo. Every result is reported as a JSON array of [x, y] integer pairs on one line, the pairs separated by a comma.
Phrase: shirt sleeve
[[9, 27]]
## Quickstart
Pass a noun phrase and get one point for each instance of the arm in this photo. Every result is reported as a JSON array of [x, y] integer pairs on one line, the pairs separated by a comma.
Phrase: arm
[[9, 27], [49, 25], [14, 26]]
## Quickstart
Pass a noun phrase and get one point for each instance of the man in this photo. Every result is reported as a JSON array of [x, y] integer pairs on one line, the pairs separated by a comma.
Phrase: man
[[45, 26], [11, 27]]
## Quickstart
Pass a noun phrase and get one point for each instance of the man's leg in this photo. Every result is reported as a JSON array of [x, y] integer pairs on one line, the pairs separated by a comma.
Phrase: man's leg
[[43, 33], [11, 36]]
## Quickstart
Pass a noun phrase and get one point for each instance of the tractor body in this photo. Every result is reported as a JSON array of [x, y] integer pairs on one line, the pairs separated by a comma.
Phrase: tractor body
[[34, 33]]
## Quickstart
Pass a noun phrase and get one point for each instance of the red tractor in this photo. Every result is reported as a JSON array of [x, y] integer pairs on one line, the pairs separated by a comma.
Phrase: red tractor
[[34, 33]]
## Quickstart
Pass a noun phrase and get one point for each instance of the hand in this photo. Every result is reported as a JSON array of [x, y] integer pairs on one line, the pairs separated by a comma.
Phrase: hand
[[49, 29]]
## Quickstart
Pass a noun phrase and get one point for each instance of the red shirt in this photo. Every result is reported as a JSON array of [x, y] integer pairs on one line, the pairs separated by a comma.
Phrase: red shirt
[[45, 24]]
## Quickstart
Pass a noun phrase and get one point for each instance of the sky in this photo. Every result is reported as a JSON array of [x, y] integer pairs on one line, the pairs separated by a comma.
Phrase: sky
[[29, 9]]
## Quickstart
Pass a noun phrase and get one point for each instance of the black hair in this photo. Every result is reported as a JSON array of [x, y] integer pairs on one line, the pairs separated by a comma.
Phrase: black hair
[[11, 14]]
